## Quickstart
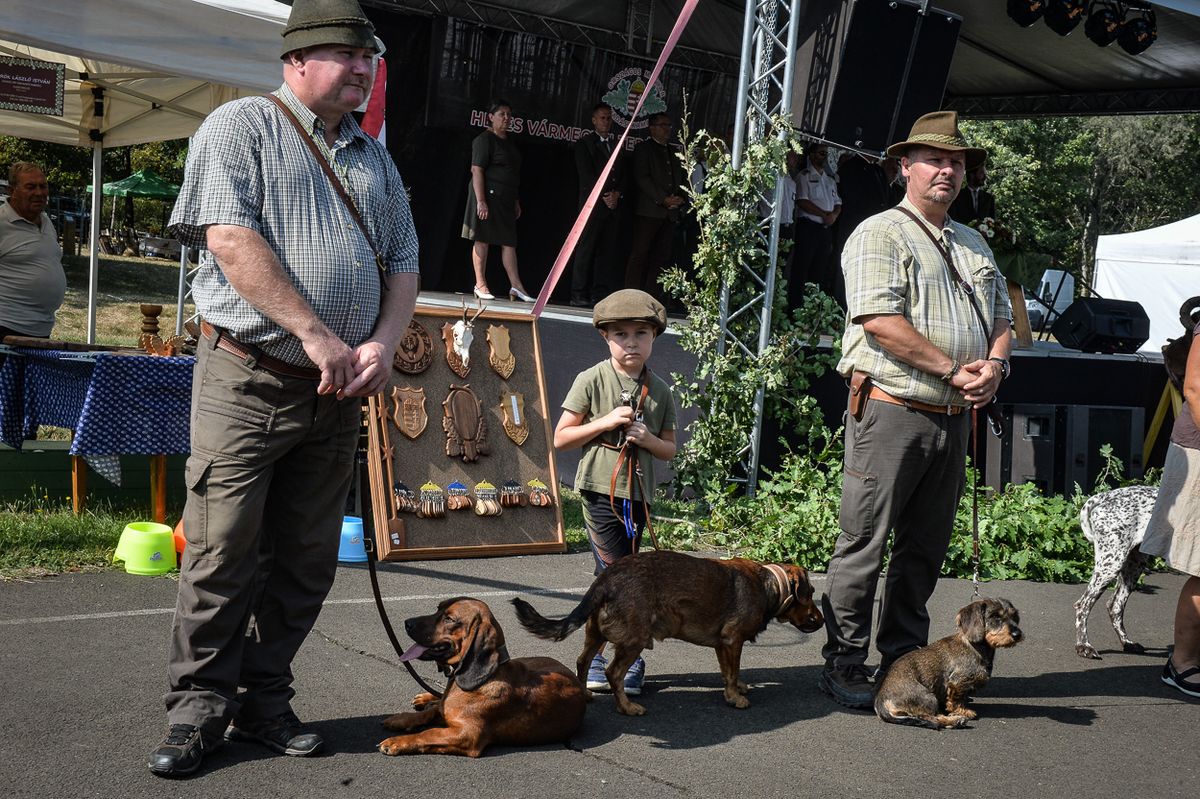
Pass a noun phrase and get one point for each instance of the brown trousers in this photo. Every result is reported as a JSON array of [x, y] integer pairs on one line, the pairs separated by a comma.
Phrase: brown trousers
[[267, 481], [904, 473]]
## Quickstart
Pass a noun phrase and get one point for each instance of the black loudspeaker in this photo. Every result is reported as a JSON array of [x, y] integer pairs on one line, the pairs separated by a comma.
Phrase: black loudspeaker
[[1095, 325], [866, 69]]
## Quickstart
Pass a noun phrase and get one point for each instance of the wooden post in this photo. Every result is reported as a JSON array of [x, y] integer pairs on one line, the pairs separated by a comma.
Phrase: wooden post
[[1021, 327], [158, 488], [79, 470]]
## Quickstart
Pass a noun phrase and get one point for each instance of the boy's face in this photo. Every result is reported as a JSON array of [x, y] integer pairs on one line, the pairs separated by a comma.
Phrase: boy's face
[[629, 345]]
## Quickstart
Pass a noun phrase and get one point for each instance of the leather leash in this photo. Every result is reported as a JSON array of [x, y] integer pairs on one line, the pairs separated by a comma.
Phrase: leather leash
[[627, 455], [369, 546]]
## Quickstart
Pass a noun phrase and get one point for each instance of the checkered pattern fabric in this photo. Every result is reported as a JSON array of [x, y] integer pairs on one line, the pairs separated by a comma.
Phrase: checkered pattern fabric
[[892, 267], [247, 166]]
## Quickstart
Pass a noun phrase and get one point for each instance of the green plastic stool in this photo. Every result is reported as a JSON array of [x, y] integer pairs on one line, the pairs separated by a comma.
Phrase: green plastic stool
[[147, 548]]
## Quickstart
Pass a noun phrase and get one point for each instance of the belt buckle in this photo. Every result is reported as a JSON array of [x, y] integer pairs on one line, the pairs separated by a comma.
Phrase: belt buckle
[[950, 409]]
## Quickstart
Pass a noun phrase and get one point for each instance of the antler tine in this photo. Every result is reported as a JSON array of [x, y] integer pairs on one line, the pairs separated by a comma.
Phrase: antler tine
[[478, 313]]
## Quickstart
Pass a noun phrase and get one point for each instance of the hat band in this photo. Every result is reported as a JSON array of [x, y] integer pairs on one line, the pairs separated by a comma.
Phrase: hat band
[[336, 22], [939, 138]]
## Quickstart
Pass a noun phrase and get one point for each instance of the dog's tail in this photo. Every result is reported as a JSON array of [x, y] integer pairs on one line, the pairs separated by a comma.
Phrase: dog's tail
[[1085, 519], [554, 629]]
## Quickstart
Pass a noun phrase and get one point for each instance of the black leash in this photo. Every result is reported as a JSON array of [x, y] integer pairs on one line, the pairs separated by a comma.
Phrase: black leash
[[369, 546]]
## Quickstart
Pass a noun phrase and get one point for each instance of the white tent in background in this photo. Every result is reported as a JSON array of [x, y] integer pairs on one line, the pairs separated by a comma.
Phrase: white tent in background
[[1159, 268], [139, 71]]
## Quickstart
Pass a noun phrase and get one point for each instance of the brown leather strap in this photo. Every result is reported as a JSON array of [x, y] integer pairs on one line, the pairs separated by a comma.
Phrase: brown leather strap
[[878, 393], [336, 182], [248, 352], [628, 453], [966, 287]]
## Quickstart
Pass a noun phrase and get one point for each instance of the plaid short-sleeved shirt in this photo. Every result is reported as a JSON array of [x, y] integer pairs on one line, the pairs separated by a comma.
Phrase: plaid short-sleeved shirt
[[892, 267], [247, 166]]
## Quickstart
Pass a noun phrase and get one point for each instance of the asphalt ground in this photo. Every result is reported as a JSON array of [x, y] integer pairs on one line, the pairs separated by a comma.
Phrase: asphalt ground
[[82, 673]]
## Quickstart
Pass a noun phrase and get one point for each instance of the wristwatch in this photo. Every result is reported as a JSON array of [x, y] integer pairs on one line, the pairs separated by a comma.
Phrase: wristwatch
[[1005, 368]]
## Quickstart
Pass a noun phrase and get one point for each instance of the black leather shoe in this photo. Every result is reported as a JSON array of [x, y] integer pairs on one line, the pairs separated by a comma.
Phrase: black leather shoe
[[182, 751], [849, 685], [284, 734]]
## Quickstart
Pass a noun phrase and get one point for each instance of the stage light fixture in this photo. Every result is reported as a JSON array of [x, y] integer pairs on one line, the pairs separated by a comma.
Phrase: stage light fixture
[[1063, 16], [1138, 32], [1103, 23], [1026, 12]]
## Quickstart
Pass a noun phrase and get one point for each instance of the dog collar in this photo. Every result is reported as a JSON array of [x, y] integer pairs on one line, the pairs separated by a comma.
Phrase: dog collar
[[785, 591]]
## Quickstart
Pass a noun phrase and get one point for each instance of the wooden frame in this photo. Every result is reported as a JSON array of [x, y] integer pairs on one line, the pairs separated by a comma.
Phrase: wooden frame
[[392, 457]]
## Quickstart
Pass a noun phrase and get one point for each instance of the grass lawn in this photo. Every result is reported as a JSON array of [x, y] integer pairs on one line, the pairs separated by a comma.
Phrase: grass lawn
[[123, 284]]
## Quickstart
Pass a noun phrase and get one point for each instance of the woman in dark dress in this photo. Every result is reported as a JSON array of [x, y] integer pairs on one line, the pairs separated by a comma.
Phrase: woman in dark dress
[[492, 204]]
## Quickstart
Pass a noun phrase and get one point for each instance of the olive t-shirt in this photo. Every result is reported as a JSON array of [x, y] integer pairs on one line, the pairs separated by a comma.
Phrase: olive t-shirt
[[597, 391]]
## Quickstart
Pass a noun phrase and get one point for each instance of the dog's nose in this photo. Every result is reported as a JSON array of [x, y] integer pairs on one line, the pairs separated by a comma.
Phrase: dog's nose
[[409, 626], [1016, 633]]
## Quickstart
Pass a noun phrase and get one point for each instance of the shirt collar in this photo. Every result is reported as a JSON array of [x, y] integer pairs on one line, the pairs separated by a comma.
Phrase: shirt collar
[[947, 229], [348, 129]]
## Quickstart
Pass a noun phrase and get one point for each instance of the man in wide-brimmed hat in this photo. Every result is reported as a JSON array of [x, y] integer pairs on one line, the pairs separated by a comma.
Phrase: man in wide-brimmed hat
[[302, 312], [920, 351]]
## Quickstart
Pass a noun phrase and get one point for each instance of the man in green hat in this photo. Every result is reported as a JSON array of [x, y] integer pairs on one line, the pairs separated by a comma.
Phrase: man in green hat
[[926, 339], [302, 313]]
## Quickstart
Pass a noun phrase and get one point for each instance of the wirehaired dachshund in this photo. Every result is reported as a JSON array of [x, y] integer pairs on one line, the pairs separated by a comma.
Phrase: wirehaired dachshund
[[658, 594], [930, 686], [490, 698], [1115, 522]]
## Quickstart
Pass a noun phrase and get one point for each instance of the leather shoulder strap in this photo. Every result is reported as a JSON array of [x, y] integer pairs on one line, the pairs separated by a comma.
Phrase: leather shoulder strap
[[963, 284]]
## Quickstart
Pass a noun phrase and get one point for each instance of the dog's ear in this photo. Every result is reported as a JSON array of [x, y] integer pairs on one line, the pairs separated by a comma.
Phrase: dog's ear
[[972, 621], [483, 652]]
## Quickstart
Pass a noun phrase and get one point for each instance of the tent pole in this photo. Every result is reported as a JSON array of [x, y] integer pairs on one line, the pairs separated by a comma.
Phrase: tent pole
[[183, 268], [94, 260]]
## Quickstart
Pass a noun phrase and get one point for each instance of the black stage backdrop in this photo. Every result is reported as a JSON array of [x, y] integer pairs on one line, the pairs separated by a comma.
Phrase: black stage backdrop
[[443, 73]]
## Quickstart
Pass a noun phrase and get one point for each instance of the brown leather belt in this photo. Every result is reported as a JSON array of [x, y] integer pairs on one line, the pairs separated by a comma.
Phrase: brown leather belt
[[878, 393], [224, 341]]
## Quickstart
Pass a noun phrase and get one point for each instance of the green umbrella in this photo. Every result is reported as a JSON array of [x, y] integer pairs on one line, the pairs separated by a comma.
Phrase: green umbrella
[[145, 183]]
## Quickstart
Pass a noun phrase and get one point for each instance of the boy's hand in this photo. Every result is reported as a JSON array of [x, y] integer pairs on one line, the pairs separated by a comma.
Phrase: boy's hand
[[620, 416], [637, 433]]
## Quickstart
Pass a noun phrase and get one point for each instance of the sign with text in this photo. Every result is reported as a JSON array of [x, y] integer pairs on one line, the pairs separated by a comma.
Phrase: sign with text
[[35, 87]]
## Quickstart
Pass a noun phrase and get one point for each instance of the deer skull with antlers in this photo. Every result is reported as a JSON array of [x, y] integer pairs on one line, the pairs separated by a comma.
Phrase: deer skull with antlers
[[458, 338]]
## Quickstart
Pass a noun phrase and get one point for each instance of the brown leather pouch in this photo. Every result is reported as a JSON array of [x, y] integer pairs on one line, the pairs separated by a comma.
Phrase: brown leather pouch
[[860, 387]]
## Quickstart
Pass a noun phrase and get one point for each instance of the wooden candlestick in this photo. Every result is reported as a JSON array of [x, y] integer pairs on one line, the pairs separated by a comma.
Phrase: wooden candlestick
[[150, 314]]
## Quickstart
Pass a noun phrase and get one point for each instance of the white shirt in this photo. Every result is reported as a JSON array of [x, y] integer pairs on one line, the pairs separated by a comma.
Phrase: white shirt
[[32, 280], [819, 189]]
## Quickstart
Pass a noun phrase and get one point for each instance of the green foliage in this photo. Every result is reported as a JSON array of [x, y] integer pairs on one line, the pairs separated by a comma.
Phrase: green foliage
[[728, 376]]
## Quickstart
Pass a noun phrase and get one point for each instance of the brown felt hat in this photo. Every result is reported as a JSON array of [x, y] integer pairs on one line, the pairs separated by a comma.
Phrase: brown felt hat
[[630, 305], [939, 130], [317, 22]]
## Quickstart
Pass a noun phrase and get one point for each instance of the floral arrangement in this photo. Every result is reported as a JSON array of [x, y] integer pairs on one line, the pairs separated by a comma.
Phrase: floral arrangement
[[997, 234]]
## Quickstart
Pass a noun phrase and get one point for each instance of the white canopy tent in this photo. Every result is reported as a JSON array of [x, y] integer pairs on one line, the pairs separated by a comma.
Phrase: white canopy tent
[[139, 71], [1159, 268]]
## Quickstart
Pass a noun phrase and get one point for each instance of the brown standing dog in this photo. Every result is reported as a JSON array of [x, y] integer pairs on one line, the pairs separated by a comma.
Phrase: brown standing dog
[[658, 594], [929, 687], [490, 699]]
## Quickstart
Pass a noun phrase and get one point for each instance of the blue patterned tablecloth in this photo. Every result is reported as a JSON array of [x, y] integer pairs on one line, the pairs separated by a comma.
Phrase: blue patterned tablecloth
[[116, 404]]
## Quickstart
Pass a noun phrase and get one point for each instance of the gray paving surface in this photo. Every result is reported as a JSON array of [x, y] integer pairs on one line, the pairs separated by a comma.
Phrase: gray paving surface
[[82, 674]]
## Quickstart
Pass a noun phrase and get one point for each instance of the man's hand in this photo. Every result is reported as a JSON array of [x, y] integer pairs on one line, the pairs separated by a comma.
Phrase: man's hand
[[978, 381], [335, 360], [372, 367], [610, 199]]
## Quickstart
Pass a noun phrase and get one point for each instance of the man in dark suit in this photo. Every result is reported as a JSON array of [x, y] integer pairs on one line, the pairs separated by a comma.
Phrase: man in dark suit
[[593, 266], [974, 202], [659, 176]]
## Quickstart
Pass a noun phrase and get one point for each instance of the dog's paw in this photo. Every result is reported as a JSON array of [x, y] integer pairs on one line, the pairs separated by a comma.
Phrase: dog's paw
[[631, 709], [1087, 651], [392, 746], [955, 722], [404, 721], [738, 700], [742, 687], [423, 700]]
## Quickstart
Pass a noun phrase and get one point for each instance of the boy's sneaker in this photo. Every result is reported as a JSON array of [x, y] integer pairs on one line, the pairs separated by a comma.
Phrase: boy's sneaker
[[597, 680], [1186, 681], [635, 677]]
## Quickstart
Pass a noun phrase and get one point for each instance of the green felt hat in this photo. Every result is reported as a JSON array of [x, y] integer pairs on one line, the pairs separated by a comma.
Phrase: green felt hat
[[317, 22]]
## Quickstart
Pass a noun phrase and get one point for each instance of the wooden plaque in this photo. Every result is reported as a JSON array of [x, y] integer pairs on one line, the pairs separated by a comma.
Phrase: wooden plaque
[[393, 457]]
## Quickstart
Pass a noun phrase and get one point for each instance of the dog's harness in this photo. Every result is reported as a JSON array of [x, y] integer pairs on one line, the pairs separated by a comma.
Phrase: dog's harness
[[786, 597]]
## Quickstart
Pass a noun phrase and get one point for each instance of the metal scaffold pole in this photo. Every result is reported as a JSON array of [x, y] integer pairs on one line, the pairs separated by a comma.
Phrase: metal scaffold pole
[[769, 37]]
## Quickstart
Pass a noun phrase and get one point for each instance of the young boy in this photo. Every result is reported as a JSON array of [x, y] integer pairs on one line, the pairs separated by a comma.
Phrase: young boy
[[623, 416]]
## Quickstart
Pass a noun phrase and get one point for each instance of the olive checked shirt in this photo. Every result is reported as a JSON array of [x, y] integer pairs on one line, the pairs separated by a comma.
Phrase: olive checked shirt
[[892, 267], [247, 166]]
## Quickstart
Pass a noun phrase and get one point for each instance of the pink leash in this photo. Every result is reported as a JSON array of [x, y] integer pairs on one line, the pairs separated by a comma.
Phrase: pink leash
[[564, 255]]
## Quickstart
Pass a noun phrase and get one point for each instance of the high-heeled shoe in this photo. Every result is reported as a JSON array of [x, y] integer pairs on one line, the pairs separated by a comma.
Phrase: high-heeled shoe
[[517, 294], [483, 294]]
